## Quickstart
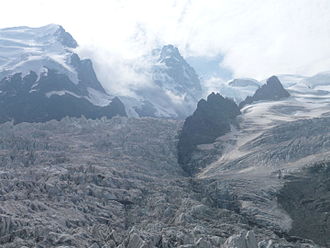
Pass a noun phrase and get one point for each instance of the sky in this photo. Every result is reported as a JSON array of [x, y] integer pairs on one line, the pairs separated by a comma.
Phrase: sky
[[254, 38]]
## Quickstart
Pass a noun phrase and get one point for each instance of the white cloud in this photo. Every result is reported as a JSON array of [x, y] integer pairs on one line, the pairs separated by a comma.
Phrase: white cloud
[[212, 85], [257, 37], [119, 76]]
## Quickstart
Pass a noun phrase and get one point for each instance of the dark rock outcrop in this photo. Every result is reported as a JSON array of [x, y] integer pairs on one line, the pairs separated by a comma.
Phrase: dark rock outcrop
[[30, 99], [146, 109], [211, 119], [86, 74], [273, 90]]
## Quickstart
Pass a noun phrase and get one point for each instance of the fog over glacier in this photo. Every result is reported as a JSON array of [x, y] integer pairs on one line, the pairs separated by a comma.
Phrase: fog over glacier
[[255, 38]]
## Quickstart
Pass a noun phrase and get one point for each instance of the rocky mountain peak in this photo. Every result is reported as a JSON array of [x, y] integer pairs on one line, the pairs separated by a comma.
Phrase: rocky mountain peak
[[173, 73], [274, 84], [273, 90], [226, 106], [211, 119], [170, 52]]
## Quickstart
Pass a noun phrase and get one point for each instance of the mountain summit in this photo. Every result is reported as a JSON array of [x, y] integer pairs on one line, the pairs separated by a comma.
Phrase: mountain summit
[[273, 90], [182, 78], [174, 88], [212, 118]]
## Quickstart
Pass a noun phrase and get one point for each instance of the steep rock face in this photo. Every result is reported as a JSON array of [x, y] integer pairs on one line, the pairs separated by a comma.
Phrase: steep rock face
[[86, 74], [211, 119], [272, 91], [41, 78], [52, 96]]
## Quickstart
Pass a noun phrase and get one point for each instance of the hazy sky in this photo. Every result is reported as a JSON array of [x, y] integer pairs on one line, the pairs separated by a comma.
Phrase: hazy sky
[[257, 38]]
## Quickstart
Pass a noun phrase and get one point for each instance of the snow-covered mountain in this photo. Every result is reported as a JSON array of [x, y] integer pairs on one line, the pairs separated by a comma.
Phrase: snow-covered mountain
[[317, 82], [240, 88], [320, 81], [40, 63], [174, 91], [172, 73], [24, 49]]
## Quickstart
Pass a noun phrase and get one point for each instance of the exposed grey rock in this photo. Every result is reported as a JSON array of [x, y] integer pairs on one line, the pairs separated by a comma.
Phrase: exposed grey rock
[[212, 118], [273, 90], [22, 104]]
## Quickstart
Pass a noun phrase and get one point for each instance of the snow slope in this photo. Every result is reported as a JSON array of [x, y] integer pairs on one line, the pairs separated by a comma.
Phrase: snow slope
[[24, 49], [259, 117]]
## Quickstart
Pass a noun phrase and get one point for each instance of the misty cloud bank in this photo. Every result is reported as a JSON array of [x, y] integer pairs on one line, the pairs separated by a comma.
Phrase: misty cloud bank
[[118, 75], [257, 38]]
